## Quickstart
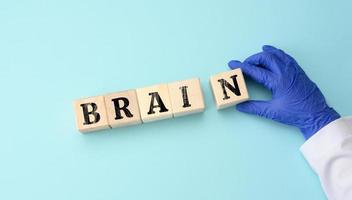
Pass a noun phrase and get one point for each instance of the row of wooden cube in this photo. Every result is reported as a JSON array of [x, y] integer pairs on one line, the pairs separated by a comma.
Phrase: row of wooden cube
[[157, 102]]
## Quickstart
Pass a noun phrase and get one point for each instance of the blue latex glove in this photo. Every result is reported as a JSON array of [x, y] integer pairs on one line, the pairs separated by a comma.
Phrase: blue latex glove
[[296, 100]]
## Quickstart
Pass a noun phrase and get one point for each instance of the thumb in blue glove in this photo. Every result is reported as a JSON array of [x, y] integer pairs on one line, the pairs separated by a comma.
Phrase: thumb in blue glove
[[296, 100]]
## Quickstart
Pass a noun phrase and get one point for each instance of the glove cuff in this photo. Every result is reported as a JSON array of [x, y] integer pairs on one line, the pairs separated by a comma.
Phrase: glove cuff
[[319, 121]]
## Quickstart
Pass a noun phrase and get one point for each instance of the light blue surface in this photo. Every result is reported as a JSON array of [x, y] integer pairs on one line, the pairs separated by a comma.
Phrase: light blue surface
[[52, 52]]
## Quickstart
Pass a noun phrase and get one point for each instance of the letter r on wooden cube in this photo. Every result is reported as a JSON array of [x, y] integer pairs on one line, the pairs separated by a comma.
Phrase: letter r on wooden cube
[[229, 88], [122, 109], [91, 114], [186, 97]]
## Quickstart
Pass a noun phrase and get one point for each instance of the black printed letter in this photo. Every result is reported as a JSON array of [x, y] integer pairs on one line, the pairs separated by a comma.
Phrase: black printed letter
[[185, 97], [235, 89], [155, 95], [123, 107], [86, 113]]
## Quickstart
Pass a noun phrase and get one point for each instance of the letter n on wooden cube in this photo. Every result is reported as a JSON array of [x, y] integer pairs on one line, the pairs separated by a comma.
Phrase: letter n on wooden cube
[[154, 103], [229, 88], [186, 97], [91, 114], [122, 108]]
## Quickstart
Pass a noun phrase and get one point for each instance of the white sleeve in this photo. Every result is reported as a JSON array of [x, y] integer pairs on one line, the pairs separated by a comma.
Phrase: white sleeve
[[329, 153]]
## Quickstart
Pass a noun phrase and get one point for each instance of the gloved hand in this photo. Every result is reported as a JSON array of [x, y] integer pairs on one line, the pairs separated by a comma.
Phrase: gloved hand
[[296, 100]]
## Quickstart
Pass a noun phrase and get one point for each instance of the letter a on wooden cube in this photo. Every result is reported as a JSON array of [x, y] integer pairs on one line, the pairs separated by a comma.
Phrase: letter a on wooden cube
[[229, 88], [122, 108], [154, 103], [91, 114], [186, 97]]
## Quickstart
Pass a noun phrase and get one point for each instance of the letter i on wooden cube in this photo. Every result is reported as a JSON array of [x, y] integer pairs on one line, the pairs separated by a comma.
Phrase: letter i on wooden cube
[[229, 88], [91, 114], [154, 103], [186, 97], [122, 108]]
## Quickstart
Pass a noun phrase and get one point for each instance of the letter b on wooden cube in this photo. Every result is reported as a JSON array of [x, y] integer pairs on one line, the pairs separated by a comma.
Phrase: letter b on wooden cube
[[91, 114], [229, 88]]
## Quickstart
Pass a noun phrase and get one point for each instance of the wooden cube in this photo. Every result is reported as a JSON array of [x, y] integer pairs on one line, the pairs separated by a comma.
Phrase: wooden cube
[[229, 88], [186, 97], [122, 108], [154, 103], [91, 114]]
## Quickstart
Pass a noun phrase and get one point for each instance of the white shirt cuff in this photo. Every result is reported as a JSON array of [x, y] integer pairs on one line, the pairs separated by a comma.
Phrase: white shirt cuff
[[326, 140]]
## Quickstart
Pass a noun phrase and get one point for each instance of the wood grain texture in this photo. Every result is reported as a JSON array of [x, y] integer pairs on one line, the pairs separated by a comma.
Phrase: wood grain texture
[[157, 96], [122, 108], [186, 97], [229, 88], [91, 114]]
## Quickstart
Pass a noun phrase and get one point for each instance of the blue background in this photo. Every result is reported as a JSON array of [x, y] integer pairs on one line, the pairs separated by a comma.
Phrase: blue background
[[52, 52]]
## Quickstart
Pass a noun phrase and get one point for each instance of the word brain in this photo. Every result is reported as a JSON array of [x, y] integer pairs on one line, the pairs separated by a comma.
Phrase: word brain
[[157, 102]]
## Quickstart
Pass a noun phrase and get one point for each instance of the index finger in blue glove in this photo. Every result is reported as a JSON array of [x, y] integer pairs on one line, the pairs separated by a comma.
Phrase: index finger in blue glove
[[258, 74], [265, 60], [277, 52]]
